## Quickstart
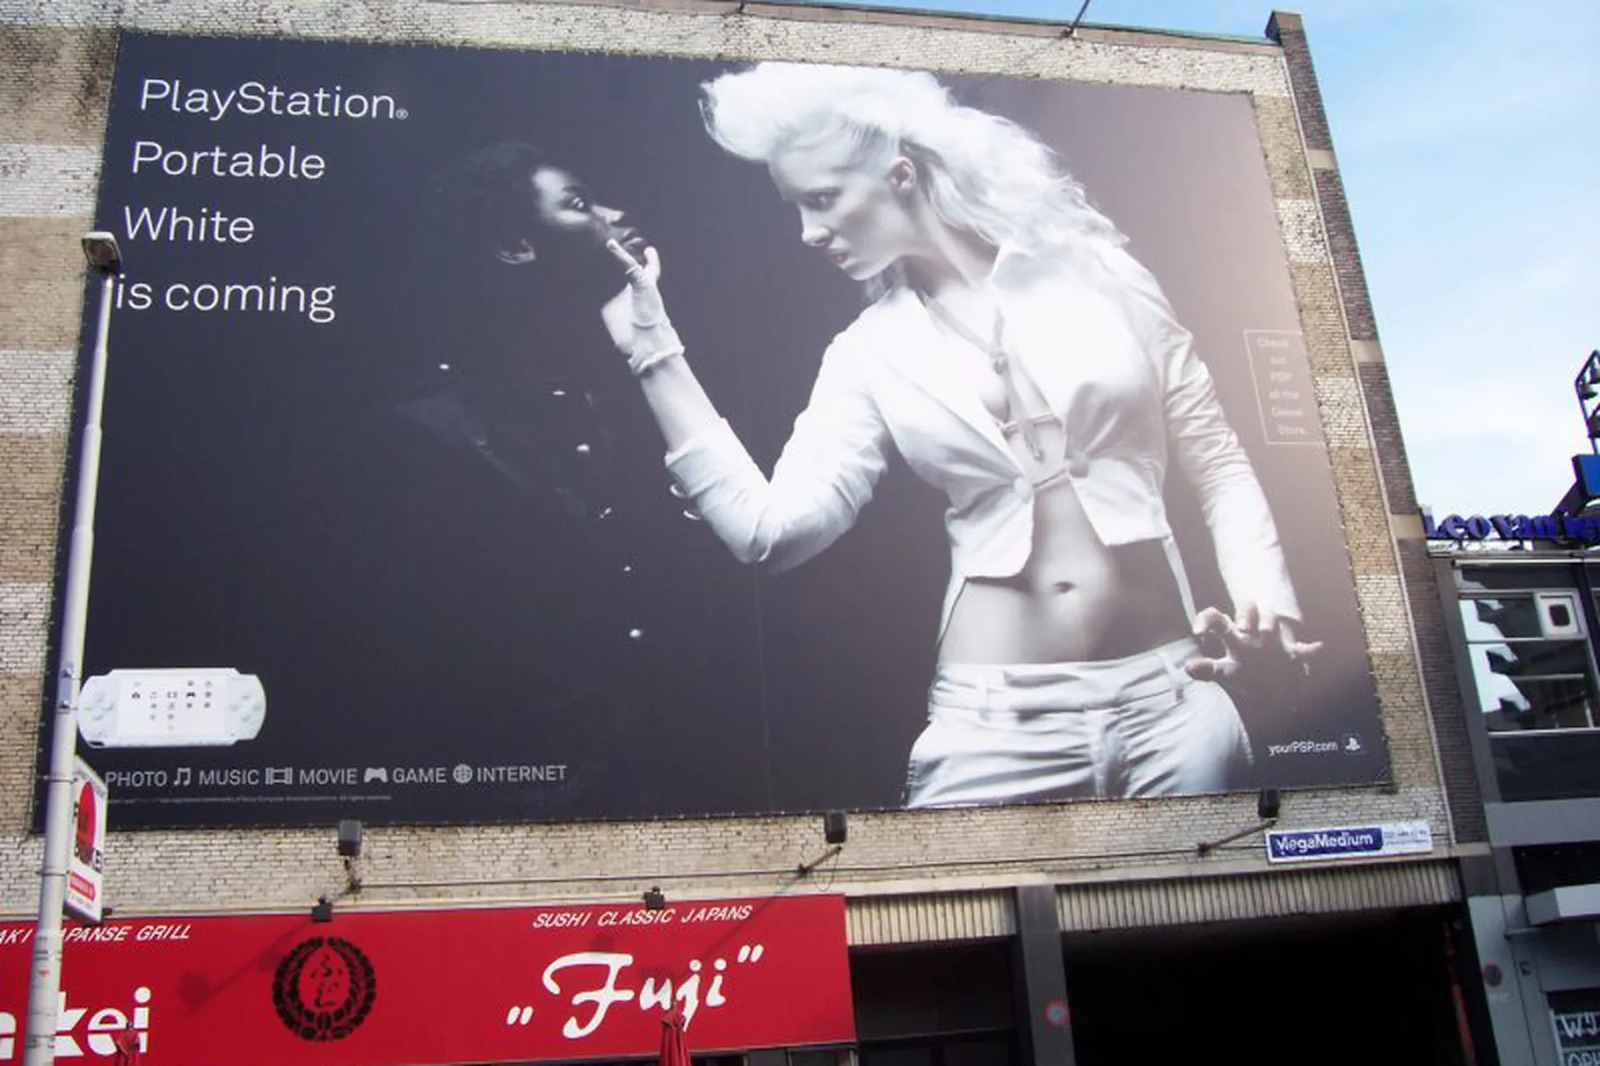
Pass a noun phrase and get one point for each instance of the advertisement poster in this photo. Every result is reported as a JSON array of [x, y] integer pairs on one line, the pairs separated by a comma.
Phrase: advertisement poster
[[385, 525], [490, 985], [86, 867]]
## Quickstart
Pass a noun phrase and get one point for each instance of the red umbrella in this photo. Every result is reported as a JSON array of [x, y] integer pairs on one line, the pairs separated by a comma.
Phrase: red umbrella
[[674, 1052], [126, 1043]]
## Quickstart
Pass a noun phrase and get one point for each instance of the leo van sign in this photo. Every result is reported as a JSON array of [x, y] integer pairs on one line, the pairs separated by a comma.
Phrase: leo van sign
[[517, 984], [1557, 526]]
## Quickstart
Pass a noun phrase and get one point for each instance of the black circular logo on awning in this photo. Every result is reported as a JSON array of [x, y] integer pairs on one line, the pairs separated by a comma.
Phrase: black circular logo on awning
[[324, 988]]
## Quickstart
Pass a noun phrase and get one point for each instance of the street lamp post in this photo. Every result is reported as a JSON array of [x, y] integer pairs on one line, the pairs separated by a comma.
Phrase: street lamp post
[[44, 982]]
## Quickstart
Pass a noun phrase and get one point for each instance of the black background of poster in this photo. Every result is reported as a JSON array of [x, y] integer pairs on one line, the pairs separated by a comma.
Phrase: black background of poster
[[406, 605]]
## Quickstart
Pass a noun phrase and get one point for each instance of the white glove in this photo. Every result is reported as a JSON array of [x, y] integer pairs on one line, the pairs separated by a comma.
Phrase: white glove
[[637, 318]]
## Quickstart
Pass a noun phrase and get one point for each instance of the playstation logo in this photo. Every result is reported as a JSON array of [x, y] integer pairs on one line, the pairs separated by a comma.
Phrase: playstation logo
[[1351, 744]]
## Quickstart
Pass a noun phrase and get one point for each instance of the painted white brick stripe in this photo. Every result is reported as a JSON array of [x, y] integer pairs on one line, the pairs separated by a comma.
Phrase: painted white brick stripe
[[47, 179], [35, 391], [24, 619], [1302, 231], [1344, 421], [537, 24], [1383, 611]]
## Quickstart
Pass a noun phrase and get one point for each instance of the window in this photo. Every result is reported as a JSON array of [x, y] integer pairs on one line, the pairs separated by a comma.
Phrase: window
[[1541, 867], [1495, 578], [842, 1056], [1530, 661], [1576, 1017], [965, 1049]]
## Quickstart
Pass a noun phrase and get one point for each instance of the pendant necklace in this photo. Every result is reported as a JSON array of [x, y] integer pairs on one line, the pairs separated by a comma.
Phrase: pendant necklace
[[1000, 361]]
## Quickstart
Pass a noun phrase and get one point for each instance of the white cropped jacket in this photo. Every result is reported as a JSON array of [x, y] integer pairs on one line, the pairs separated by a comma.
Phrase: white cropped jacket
[[1102, 344]]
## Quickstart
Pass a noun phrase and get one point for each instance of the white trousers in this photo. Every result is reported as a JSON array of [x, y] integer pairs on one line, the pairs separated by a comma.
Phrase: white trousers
[[1139, 726]]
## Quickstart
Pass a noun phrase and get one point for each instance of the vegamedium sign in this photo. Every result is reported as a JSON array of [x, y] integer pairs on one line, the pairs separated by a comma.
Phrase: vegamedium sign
[[384, 527], [1349, 842]]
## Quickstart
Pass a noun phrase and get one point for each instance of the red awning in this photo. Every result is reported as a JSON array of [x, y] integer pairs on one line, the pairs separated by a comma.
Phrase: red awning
[[445, 986]]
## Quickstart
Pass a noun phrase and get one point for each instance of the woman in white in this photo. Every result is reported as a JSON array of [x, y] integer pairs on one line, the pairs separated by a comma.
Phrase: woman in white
[[1022, 362]]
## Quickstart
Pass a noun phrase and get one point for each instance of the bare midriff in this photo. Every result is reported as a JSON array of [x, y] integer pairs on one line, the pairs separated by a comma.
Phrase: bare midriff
[[1076, 600]]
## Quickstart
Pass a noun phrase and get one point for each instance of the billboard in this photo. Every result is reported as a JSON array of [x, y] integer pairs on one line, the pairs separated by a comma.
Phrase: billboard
[[582, 982], [385, 529]]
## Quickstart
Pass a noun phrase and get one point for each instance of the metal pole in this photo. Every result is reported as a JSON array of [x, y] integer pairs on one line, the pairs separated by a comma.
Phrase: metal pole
[[1072, 29], [44, 981]]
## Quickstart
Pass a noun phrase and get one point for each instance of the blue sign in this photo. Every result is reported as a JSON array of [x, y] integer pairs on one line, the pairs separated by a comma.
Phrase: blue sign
[[1586, 470], [1347, 842], [1558, 526]]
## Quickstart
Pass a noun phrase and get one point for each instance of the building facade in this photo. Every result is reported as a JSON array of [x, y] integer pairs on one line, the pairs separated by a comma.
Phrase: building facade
[[671, 775], [1522, 623]]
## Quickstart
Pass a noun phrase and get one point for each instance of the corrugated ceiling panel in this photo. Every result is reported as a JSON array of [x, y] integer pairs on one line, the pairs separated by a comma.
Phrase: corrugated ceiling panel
[[1266, 895], [930, 918], [974, 915]]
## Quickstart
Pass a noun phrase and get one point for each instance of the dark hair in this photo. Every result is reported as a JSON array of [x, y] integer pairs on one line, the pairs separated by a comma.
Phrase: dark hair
[[487, 197]]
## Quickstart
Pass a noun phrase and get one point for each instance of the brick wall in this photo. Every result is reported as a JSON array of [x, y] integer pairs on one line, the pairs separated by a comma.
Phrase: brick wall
[[55, 64], [1419, 597]]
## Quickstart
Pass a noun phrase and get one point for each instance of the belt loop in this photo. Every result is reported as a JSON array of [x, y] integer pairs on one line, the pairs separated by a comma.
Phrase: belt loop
[[1003, 695], [1172, 658], [998, 685]]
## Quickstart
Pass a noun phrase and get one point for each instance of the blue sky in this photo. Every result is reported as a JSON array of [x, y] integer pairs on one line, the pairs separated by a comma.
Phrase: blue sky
[[1468, 138]]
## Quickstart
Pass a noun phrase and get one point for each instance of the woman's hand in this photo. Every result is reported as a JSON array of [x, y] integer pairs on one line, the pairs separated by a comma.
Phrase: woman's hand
[[637, 320], [1258, 650], [636, 317]]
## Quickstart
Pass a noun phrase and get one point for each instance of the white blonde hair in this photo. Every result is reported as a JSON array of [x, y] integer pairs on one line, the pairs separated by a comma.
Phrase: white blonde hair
[[983, 174]]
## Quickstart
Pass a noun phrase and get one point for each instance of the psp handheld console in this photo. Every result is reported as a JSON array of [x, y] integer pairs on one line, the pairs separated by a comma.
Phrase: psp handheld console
[[203, 707]]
